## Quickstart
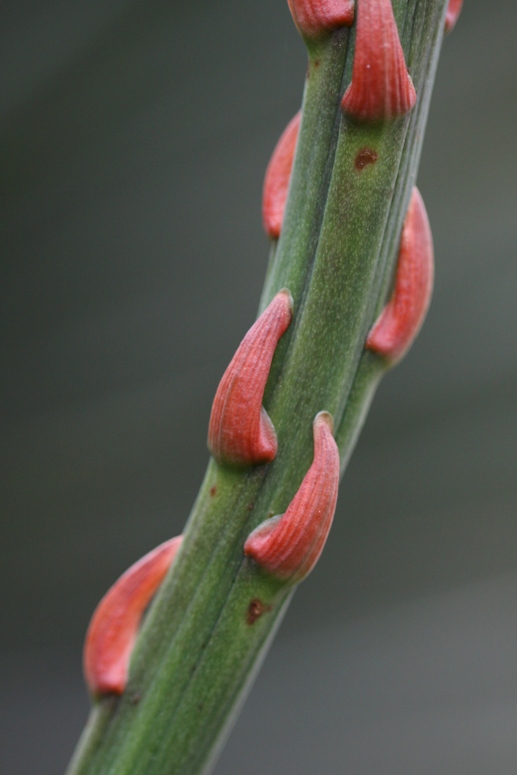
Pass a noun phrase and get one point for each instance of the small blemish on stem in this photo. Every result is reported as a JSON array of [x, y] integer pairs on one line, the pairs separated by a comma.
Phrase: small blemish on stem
[[255, 610], [365, 157]]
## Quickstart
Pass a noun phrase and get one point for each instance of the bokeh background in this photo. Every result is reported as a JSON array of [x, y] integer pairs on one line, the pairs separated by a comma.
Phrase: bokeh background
[[133, 141]]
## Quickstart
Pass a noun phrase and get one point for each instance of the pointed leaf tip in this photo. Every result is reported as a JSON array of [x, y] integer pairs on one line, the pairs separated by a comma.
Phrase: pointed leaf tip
[[114, 625], [401, 319], [452, 14], [317, 18], [381, 86], [240, 431], [278, 175], [288, 546]]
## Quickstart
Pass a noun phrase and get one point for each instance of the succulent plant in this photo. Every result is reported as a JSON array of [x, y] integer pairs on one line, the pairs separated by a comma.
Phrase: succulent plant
[[347, 288]]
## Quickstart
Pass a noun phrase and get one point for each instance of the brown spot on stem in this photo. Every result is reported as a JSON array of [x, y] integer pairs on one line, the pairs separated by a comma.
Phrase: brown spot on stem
[[255, 610], [365, 157], [135, 699], [213, 490]]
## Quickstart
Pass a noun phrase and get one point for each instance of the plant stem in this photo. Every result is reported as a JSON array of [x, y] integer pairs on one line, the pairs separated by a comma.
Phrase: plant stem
[[215, 615]]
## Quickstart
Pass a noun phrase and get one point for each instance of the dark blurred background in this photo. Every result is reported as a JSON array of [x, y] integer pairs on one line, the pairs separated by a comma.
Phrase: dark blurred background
[[133, 141]]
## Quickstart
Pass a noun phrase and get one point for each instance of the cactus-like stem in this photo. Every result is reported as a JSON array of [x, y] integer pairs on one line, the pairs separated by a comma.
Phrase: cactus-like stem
[[351, 182]]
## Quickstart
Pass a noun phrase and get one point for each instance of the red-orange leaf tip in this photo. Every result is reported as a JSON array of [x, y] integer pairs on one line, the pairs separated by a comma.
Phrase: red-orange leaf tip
[[402, 317], [316, 18], [276, 182], [114, 625], [288, 546], [453, 12], [381, 87], [240, 431]]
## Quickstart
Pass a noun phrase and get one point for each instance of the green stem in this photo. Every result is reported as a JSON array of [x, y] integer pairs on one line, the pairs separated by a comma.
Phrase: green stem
[[216, 613]]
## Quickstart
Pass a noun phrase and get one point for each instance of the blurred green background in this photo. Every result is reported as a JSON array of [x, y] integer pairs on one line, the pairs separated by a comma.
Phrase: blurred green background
[[133, 142]]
